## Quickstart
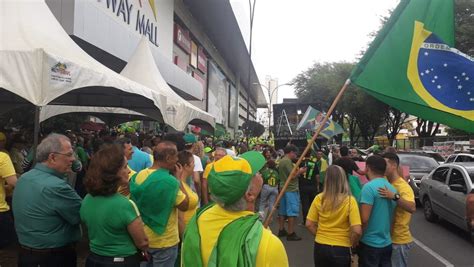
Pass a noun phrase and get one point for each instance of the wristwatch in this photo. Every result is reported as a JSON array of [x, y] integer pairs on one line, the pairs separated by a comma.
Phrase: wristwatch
[[396, 197]]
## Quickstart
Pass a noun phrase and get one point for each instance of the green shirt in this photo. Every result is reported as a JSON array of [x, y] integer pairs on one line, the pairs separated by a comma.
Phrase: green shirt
[[82, 155], [107, 218], [270, 176], [284, 169], [355, 186], [46, 209]]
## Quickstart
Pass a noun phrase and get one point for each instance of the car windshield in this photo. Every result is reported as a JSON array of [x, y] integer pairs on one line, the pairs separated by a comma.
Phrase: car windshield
[[417, 162], [437, 156], [471, 175]]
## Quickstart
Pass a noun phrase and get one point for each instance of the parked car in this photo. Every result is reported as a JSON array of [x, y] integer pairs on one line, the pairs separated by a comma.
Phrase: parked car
[[445, 193], [421, 164], [461, 157], [435, 155]]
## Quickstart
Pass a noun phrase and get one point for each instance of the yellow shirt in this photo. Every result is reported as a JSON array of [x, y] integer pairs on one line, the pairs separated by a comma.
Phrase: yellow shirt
[[401, 226], [193, 203], [271, 251], [170, 236], [207, 170], [6, 170], [334, 226]]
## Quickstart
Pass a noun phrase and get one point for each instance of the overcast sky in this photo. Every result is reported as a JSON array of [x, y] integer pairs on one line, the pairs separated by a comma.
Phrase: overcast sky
[[289, 36]]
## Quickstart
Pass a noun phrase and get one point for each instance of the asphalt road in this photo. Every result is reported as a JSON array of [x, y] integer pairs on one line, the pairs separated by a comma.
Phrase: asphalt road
[[437, 244]]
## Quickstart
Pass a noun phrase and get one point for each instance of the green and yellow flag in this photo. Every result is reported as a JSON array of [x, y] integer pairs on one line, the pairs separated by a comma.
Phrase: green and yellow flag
[[412, 66], [311, 120]]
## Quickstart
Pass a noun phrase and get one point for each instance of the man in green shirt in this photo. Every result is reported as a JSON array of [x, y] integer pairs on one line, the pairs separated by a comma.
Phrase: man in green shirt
[[46, 208], [290, 202]]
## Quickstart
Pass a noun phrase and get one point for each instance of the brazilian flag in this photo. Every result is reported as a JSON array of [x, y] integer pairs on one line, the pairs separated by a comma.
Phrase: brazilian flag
[[412, 65], [311, 120]]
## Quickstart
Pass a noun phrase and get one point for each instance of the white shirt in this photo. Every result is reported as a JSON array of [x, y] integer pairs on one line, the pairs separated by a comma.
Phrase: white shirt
[[197, 164], [230, 152]]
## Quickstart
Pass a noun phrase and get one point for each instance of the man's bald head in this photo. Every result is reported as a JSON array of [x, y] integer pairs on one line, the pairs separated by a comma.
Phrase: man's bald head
[[165, 150]]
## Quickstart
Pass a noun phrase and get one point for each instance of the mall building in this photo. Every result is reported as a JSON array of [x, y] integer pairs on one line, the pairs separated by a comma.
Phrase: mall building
[[197, 46]]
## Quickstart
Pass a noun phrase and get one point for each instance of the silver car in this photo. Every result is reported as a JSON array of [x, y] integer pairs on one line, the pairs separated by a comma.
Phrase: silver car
[[443, 193]]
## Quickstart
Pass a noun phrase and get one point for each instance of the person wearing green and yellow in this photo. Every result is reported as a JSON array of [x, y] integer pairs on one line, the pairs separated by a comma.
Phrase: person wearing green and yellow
[[159, 195], [322, 166], [228, 232], [290, 202], [218, 154], [114, 224], [270, 188]]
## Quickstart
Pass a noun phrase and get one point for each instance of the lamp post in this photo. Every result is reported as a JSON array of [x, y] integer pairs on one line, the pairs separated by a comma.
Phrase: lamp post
[[270, 96]]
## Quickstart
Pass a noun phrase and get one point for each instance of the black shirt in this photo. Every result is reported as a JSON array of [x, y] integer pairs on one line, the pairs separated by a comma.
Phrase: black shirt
[[347, 164]]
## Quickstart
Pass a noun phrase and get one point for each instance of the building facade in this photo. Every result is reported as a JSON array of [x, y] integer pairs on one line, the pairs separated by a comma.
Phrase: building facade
[[197, 46]]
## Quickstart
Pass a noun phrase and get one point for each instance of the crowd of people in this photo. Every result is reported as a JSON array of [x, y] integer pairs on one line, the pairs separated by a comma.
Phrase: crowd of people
[[181, 200]]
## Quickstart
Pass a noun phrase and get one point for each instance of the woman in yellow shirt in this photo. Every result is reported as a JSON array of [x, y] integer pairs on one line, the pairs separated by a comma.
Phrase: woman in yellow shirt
[[186, 160], [334, 218]]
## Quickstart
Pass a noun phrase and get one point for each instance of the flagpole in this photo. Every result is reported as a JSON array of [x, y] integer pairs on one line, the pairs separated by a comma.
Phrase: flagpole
[[306, 150]]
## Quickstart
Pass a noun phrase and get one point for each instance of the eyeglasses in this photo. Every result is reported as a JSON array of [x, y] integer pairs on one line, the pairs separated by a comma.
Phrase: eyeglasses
[[70, 154]]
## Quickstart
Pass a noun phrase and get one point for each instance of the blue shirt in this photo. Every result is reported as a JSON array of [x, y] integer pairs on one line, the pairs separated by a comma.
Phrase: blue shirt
[[140, 160], [46, 209], [377, 233]]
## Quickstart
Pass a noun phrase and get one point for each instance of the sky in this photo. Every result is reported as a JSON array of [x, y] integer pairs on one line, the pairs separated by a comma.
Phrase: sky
[[290, 36]]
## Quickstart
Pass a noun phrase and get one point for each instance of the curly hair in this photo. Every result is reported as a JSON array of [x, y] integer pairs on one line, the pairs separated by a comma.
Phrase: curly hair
[[101, 177]]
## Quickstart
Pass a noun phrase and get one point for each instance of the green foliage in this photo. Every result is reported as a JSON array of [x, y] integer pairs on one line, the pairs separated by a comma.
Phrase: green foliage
[[457, 132], [464, 19], [358, 112]]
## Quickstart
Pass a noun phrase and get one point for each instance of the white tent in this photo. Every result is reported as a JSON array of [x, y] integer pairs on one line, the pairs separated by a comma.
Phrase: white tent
[[110, 115], [40, 63], [177, 112]]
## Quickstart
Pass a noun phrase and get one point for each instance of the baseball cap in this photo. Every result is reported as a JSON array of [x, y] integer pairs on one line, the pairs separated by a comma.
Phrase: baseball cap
[[230, 176], [207, 149], [189, 138]]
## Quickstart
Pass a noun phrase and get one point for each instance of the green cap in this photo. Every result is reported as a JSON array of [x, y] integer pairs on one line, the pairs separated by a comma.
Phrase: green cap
[[230, 176], [189, 138]]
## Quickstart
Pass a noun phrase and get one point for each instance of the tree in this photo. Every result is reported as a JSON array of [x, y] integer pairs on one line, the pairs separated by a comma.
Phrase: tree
[[369, 115], [394, 120], [426, 129], [320, 85], [464, 20], [456, 132]]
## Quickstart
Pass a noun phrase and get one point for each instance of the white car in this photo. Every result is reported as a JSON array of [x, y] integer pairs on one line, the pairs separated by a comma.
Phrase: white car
[[461, 157]]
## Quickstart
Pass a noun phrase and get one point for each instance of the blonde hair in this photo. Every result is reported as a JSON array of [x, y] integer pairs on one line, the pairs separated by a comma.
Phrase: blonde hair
[[198, 149], [336, 188]]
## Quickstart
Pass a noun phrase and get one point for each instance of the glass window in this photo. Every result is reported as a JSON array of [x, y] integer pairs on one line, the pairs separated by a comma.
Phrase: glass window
[[451, 158], [471, 175], [441, 174], [456, 177], [464, 159], [417, 162]]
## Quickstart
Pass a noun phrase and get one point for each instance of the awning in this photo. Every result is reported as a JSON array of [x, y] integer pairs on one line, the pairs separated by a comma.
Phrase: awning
[[42, 65], [177, 112]]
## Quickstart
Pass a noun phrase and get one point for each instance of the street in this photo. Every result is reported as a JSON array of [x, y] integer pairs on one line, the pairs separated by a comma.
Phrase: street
[[439, 244]]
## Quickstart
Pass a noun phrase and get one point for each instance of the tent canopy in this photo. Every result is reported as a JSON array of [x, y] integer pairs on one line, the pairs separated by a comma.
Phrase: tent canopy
[[110, 115], [42, 65], [177, 112]]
